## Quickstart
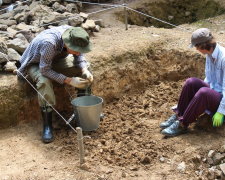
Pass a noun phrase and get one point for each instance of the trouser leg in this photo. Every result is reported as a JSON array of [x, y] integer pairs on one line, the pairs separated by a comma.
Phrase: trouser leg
[[190, 88], [204, 99], [44, 87]]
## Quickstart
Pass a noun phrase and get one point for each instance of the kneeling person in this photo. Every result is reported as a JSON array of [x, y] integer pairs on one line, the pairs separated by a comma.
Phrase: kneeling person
[[45, 59]]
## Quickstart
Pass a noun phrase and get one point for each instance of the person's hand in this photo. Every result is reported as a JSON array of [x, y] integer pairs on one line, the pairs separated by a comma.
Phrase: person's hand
[[86, 74], [79, 82], [218, 119]]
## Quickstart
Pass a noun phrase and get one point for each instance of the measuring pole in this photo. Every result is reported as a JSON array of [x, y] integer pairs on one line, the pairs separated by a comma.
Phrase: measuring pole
[[125, 15], [80, 144]]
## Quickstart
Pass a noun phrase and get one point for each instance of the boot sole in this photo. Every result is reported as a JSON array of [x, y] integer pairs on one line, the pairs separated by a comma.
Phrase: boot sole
[[177, 134]]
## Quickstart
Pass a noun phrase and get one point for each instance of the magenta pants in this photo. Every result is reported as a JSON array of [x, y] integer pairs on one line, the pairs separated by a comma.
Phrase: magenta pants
[[196, 97]]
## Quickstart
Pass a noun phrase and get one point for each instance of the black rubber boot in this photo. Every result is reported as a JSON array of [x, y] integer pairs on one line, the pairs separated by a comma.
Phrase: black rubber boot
[[47, 135]]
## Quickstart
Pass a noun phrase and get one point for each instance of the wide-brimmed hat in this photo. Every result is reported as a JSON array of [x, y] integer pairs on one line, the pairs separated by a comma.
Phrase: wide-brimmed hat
[[77, 39], [200, 36]]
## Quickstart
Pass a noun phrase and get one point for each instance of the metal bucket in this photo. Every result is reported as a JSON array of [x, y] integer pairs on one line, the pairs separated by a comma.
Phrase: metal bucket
[[87, 110]]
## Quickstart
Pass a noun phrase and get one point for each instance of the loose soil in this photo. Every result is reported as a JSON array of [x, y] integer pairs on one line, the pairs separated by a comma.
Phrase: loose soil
[[128, 144]]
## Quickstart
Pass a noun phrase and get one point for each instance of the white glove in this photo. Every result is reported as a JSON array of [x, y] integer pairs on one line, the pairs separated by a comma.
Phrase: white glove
[[87, 75], [79, 83]]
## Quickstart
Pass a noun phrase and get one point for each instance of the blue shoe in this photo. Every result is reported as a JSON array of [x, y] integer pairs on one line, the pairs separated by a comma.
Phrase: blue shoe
[[168, 122], [174, 130]]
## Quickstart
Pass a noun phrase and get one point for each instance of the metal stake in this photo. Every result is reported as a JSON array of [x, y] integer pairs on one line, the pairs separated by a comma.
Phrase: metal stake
[[80, 144], [125, 16]]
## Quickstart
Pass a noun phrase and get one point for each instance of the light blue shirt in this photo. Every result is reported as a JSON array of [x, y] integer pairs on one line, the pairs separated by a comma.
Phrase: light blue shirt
[[214, 73]]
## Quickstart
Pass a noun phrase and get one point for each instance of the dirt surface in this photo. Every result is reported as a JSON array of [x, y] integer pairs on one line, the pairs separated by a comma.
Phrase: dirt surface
[[152, 65]]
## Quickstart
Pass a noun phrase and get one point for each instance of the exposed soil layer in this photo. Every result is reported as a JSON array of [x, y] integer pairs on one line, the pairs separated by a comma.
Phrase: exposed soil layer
[[175, 12], [139, 73]]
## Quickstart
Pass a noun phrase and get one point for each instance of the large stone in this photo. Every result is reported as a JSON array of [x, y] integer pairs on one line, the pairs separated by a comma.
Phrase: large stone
[[7, 1], [3, 27], [25, 27], [19, 17], [3, 58], [3, 47], [54, 18], [222, 167], [19, 43], [75, 20], [10, 67], [218, 157], [89, 24], [6, 15], [72, 8], [13, 55], [59, 8], [8, 22]]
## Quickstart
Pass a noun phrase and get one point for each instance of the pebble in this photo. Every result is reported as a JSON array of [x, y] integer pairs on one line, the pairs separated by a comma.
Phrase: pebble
[[211, 153], [162, 159], [181, 167]]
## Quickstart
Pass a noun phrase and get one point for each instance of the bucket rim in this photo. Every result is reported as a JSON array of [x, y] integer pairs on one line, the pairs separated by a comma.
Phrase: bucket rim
[[88, 96]]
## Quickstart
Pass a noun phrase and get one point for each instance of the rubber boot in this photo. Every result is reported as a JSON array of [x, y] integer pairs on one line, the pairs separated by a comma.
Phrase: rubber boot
[[47, 134]]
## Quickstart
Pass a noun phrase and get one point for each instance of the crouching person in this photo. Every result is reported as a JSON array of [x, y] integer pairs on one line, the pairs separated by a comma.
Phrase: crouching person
[[46, 58], [197, 95]]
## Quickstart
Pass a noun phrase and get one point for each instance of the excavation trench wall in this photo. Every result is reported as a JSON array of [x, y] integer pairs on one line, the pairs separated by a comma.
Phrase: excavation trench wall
[[132, 71], [173, 11]]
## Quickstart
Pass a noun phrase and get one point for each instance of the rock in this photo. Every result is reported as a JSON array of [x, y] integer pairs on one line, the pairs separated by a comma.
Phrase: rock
[[7, 1], [162, 159], [83, 15], [222, 167], [134, 168], [211, 174], [210, 161], [72, 8], [25, 27], [187, 13], [3, 47], [217, 158], [196, 159], [97, 28], [19, 17], [3, 58], [8, 22], [75, 20], [13, 55], [10, 67], [28, 35], [6, 15], [170, 17], [181, 167], [146, 160], [19, 43], [123, 175], [54, 18], [100, 23], [11, 31], [222, 149], [211, 153], [3, 27], [59, 8], [89, 24]]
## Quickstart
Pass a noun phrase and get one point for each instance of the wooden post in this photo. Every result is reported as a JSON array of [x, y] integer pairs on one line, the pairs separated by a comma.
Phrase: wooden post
[[125, 16], [80, 144]]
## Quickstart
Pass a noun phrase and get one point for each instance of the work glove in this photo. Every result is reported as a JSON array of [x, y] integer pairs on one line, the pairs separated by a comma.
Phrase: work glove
[[79, 83], [86, 74], [218, 119]]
